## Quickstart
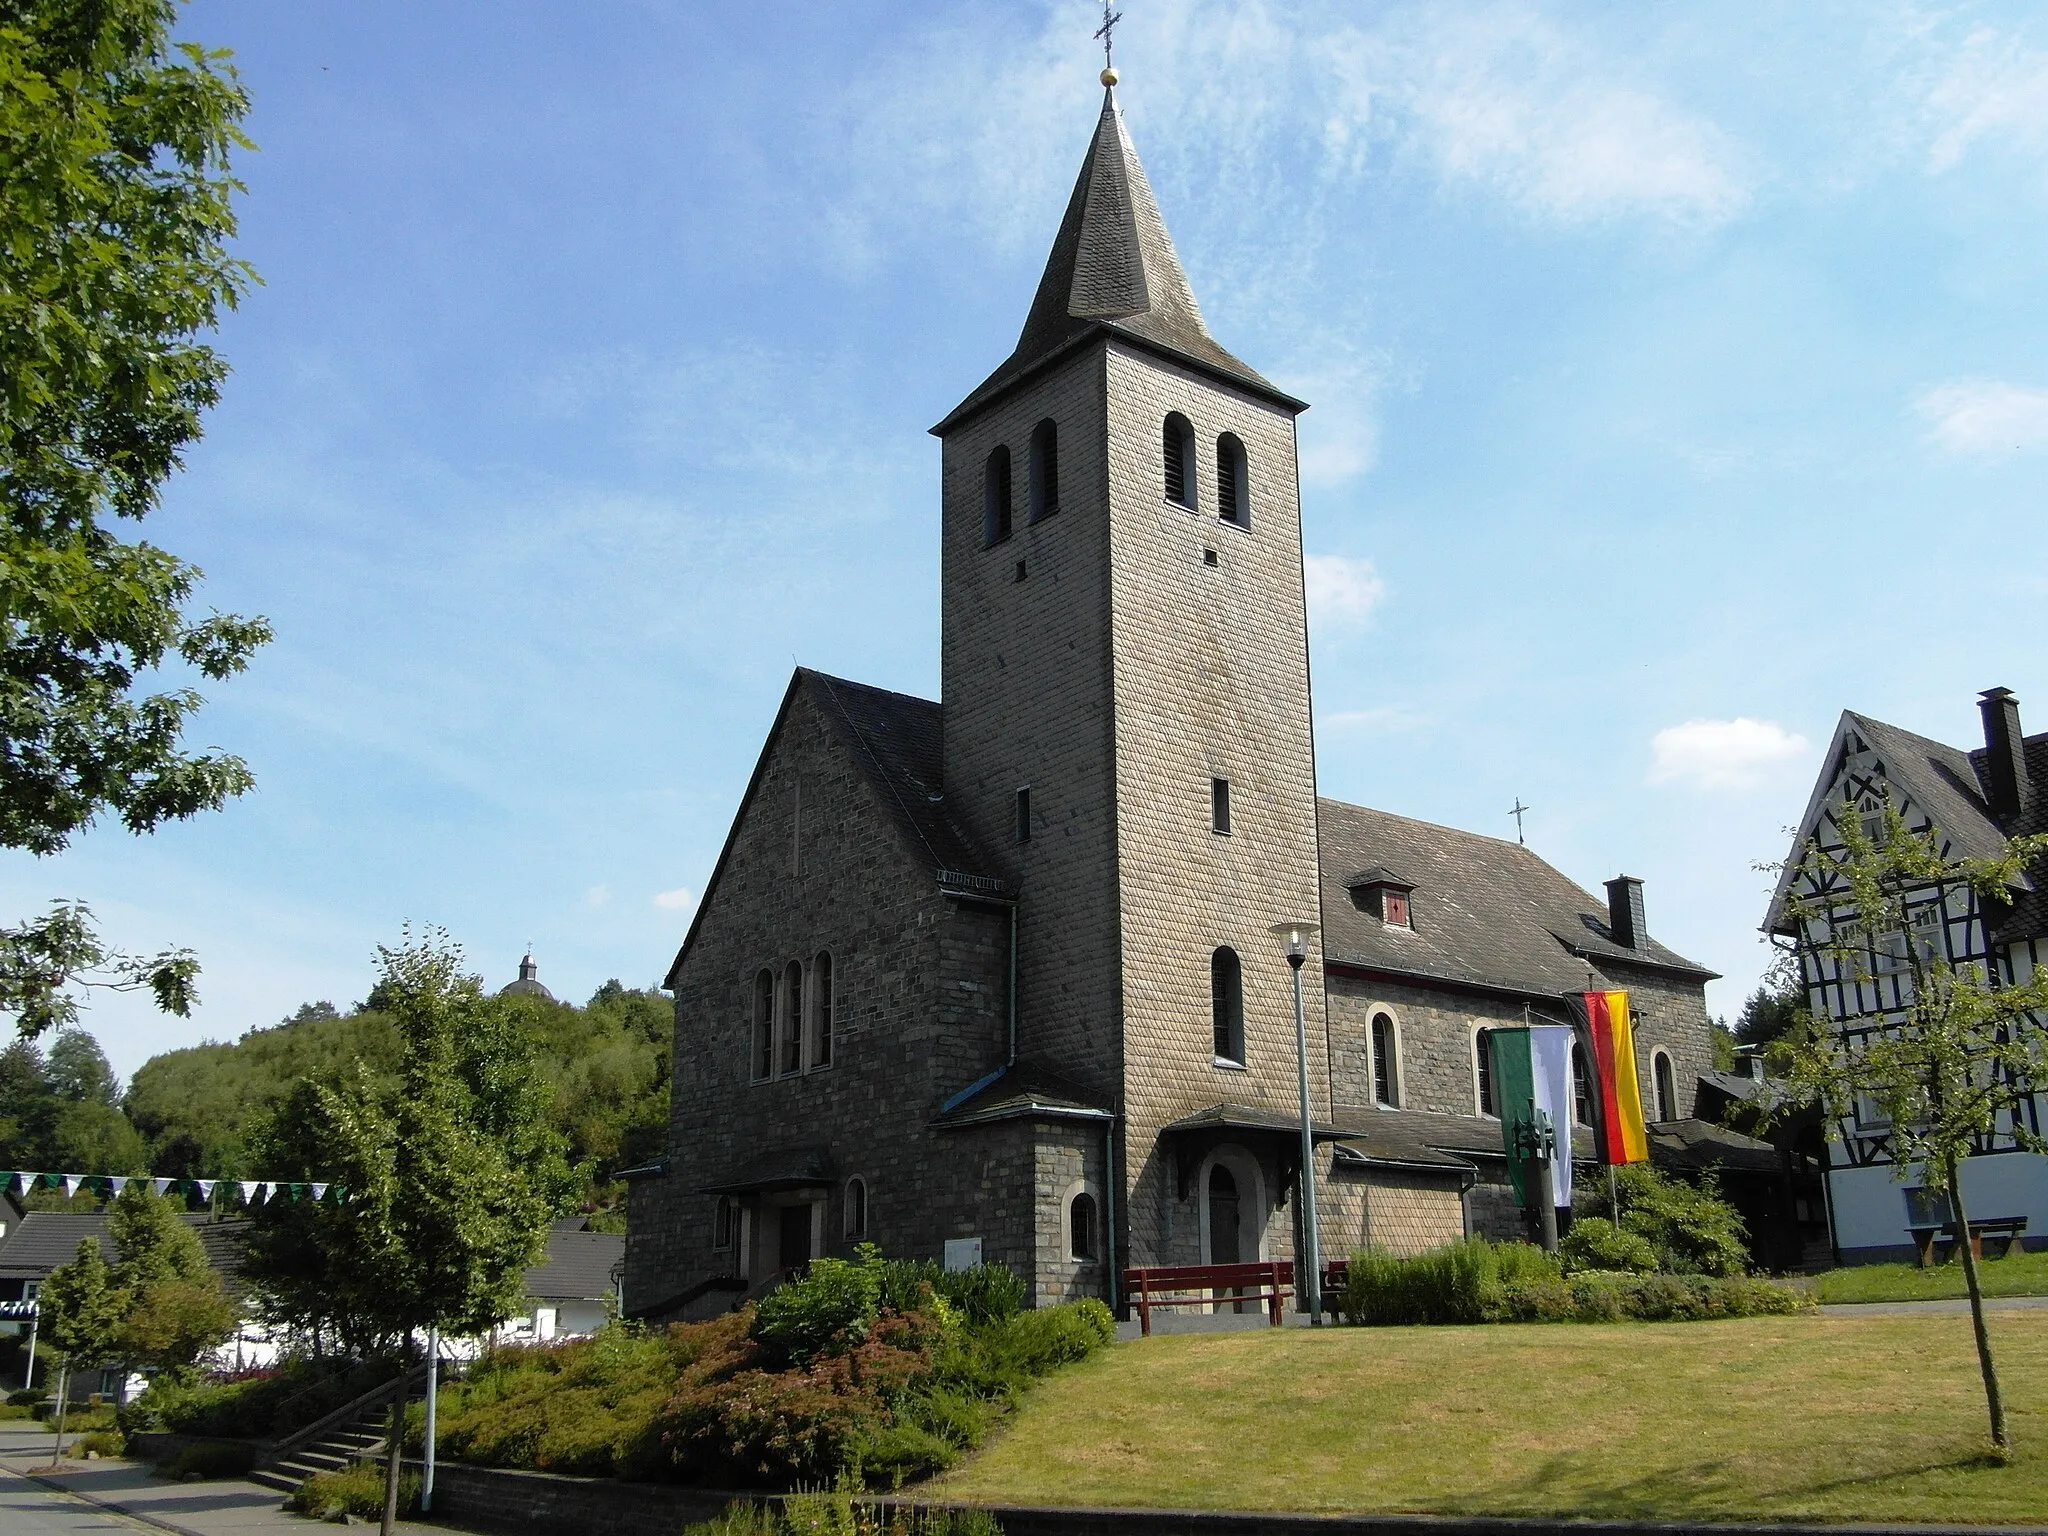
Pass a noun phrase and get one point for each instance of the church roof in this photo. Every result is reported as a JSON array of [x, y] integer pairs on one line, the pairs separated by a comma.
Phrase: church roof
[[529, 983], [895, 740], [1113, 269], [1486, 912]]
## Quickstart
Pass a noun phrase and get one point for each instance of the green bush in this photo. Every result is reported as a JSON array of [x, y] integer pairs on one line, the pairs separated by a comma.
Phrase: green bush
[[27, 1397], [101, 1442], [1458, 1283], [827, 1311], [359, 1491], [17, 1411], [256, 1407], [1690, 1228], [1592, 1296], [81, 1419], [1594, 1242], [983, 1294], [738, 1519]]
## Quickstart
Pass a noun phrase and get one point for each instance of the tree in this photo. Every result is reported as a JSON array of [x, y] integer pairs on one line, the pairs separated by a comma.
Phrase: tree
[[452, 1173], [1959, 1062], [1774, 1009], [173, 1309], [115, 213], [79, 1313]]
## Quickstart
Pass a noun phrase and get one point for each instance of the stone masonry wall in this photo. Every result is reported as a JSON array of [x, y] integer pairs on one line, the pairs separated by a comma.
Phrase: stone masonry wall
[[918, 983], [1025, 669], [1211, 681]]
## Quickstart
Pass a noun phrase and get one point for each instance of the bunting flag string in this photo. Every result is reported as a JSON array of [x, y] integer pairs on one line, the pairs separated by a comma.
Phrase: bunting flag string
[[252, 1192]]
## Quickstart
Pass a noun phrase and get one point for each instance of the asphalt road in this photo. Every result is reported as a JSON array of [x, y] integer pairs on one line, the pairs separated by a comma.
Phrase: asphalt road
[[27, 1509]]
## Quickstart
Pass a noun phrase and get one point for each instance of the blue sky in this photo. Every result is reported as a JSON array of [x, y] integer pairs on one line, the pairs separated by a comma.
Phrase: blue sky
[[1678, 377]]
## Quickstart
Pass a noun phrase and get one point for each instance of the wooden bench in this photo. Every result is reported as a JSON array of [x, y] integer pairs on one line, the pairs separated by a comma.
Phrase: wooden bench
[[1206, 1285], [2005, 1230]]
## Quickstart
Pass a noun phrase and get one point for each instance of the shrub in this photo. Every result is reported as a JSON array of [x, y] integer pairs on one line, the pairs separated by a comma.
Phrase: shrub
[[1594, 1242], [738, 1519], [254, 1406], [17, 1411], [359, 1491], [828, 1310], [983, 1294], [101, 1442], [210, 1460], [1458, 1283], [27, 1397], [1690, 1228]]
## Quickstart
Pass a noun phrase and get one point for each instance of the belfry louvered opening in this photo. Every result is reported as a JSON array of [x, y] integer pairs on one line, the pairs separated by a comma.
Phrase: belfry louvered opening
[[1045, 470], [995, 497], [1233, 477], [1178, 454]]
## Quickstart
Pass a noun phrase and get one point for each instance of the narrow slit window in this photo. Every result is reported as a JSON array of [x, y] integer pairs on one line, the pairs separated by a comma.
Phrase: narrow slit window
[[1233, 477], [1178, 451], [789, 1025], [763, 1058], [995, 497], [1081, 1229], [1226, 1003], [1024, 814], [856, 1225], [1045, 470], [1667, 1089], [1482, 1053], [1219, 806], [819, 1047], [725, 1223], [1386, 1066]]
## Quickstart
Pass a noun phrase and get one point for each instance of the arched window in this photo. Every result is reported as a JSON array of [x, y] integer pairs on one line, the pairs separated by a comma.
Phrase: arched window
[[1045, 470], [1081, 1246], [995, 497], [725, 1223], [1667, 1087], [1179, 453], [1233, 481], [789, 1013], [856, 1210], [819, 1047], [762, 1061], [1482, 1058], [1226, 1003], [1386, 1064], [1582, 1086]]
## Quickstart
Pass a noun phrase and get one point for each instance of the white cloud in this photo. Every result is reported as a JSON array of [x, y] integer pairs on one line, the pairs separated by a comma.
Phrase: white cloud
[[598, 896], [1342, 590], [1722, 754], [1995, 90], [676, 899], [1985, 417]]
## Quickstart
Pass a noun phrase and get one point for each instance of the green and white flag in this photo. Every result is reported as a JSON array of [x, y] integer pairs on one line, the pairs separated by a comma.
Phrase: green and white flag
[[1532, 1076]]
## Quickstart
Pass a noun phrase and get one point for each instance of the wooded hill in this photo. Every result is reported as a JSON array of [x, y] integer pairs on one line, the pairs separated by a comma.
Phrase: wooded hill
[[190, 1113]]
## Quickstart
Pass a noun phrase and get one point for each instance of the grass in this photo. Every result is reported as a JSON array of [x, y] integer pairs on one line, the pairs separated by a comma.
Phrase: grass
[[2018, 1274], [1864, 1418]]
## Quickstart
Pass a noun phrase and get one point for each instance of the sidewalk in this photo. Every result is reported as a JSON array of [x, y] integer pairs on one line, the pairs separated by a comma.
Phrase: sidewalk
[[223, 1507]]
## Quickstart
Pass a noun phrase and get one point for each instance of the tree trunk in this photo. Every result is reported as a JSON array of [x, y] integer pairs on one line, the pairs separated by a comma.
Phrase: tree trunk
[[390, 1521], [63, 1400], [1968, 1254]]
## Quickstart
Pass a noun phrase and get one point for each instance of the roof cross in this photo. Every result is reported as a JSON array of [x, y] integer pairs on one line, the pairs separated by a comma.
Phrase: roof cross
[[1516, 811], [1106, 34]]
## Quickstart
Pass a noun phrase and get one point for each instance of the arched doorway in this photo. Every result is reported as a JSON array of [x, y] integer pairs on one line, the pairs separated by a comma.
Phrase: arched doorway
[[1225, 1226]]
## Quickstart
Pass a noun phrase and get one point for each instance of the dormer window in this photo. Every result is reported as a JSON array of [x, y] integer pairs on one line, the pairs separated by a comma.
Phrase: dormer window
[[1380, 893]]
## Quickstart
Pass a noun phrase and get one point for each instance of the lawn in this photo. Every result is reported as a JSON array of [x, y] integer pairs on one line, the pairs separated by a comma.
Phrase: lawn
[[2019, 1274], [1861, 1418]]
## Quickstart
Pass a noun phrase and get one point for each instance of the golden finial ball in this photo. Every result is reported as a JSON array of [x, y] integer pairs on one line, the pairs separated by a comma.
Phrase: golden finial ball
[[1109, 77]]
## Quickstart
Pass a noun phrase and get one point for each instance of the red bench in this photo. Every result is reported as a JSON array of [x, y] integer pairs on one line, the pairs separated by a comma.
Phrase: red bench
[[1203, 1285]]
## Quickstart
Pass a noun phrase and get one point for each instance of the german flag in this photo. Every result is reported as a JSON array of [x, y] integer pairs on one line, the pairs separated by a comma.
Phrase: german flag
[[1621, 1135]]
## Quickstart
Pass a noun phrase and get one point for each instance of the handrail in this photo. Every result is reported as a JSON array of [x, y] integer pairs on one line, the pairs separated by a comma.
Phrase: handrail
[[352, 1410]]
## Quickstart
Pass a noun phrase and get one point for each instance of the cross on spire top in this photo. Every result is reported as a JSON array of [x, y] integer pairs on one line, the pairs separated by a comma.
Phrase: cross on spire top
[[1106, 35]]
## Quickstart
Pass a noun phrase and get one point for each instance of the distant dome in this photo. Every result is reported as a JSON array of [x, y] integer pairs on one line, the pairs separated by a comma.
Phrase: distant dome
[[529, 982]]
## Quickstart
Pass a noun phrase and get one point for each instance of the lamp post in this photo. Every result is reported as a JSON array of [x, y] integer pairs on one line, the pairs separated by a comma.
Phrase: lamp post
[[1310, 1270]]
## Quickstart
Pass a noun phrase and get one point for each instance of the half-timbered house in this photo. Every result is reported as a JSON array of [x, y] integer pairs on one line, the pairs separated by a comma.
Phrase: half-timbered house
[[1972, 801]]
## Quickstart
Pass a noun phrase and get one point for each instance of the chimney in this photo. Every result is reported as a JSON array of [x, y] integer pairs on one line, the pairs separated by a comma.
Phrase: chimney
[[2004, 750], [1625, 912]]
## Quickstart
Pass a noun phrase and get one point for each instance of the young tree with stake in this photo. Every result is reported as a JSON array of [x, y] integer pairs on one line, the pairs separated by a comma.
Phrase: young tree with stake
[[1953, 1067]]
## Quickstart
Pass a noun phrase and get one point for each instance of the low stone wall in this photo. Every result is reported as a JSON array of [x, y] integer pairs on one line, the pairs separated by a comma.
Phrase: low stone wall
[[501, 1502]]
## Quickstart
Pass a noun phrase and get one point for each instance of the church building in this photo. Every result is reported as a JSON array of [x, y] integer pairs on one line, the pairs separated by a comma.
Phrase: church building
[[1005, 975]]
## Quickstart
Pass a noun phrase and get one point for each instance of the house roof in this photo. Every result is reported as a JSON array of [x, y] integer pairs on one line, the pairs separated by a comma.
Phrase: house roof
[[1024, 1090], [1951, 786], [45, 1240], [580, 1266], [1113, 270], [895, 740], [778, 1168], [1485, 912]]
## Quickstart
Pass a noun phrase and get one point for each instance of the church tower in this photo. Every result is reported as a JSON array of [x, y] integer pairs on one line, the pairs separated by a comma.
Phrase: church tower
[[1126, 713]]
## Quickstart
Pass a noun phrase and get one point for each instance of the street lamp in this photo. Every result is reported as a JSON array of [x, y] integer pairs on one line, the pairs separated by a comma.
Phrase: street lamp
[[1310, 1270]]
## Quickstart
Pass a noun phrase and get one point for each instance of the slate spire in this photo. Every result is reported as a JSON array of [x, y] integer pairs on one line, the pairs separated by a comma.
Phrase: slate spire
[[1113, 267]]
